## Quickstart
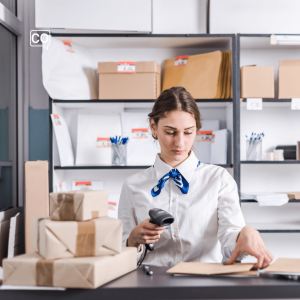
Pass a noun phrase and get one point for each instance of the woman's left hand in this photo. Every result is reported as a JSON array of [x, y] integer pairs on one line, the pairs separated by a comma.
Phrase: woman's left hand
[[250, 242]]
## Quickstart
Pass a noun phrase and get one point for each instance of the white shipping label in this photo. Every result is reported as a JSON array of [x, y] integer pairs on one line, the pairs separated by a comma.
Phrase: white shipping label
[[56, 119], [181, 61], [204, 136], [68, 47], [295, 104], [254, 104], [126, 67], [140, 133], [103, 142], [83, 185]]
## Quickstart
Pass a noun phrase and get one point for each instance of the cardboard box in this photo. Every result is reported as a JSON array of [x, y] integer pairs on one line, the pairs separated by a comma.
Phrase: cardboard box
[[294, 195], [78, 206], [59, 239], [85, 272], [257, 82], [36, 196], [288, 79], [205, 76], [129, 80]]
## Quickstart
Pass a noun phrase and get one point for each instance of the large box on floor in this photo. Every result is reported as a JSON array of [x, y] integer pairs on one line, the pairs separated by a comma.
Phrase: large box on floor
[[36, 196], [257, 82], [59, 239], [129, 80], [288, 79], [78, 206], [84, 272]]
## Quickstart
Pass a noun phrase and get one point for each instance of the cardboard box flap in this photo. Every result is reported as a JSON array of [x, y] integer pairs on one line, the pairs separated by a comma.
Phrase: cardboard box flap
[[289, 63], [209, 268], [140, 67], [285, 265]]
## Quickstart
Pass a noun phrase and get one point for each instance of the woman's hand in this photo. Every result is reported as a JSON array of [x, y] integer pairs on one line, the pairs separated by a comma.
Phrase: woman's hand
[[250, 242], [144, 233]]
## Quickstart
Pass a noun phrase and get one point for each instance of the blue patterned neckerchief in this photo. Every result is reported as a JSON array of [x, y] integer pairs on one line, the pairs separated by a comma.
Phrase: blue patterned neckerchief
[[179, 180]]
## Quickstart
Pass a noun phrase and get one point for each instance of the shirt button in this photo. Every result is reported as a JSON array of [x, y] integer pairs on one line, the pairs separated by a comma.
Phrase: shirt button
[[174, 199], [175, 236]]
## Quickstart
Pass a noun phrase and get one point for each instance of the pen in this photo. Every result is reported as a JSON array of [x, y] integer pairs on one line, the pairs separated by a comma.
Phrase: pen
[[147, 270]]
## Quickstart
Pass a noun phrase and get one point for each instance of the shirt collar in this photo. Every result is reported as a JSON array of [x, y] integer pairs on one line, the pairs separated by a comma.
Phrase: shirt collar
[[186, 168]]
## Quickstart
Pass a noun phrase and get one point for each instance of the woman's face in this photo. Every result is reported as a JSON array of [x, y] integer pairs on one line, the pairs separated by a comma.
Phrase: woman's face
[[176, 134]]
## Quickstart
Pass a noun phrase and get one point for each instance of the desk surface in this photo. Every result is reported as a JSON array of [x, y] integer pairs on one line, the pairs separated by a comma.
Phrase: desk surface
[[138, 285]]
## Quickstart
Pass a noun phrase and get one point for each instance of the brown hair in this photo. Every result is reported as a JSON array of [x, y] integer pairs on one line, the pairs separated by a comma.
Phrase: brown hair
[[175, 98]]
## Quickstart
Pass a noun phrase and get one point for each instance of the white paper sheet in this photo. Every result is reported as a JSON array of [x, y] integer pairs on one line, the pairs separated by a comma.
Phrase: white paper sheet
[[13, 239], [93, 133], [61, 187], [113, 205], [141, 148], [31, 288], [267, 198], [63, 139], [87, 185], [219, 144], [68, 72]]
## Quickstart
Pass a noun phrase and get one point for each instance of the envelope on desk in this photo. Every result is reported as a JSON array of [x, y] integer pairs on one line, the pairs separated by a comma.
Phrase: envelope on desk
[[284, 266], [199, 268]]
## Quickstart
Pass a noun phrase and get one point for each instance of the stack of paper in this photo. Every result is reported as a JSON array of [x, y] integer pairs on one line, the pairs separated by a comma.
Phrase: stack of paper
[[205, 75], [267, 199]]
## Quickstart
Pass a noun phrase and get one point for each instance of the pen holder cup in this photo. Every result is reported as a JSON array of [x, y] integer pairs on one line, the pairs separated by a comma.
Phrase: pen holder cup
[[119, 154], [254, 150]]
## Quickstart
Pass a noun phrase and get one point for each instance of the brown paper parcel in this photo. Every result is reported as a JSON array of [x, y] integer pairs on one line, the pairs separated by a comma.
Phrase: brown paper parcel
[[59, 239], [78, 206], [209, 268], [84, 272]]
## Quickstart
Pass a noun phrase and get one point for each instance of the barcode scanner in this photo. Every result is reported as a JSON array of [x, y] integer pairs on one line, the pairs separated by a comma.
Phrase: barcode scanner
[[161, 218]]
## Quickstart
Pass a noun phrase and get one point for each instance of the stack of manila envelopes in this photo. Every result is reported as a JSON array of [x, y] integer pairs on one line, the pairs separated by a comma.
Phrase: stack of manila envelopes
[[78, 206], [84, 272], [60, 239], [199, 268], [205, 76]]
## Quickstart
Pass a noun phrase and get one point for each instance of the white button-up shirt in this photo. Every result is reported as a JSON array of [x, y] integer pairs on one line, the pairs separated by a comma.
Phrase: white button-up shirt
[[208, 218]]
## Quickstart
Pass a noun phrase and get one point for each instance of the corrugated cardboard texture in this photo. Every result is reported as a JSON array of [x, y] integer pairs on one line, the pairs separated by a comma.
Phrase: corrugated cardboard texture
[[143, 84], [83, 272], [205, 76], [78, 206], [62, 239], [257, 82], [36, 196], [288, 79]]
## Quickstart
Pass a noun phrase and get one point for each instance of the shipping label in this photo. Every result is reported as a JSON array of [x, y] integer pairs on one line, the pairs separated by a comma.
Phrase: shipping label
[[68, 47], [181, 61], [56, 119], [126, 67], [103, 142], [83, 185], [140, 133], [204, 136]]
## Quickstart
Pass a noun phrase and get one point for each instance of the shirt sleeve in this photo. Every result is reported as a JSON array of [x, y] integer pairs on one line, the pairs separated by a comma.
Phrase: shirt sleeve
[[126, 213], [230, 217]]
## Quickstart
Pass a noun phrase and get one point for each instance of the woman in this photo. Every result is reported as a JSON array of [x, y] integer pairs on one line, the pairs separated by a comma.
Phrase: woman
[[202, 198]]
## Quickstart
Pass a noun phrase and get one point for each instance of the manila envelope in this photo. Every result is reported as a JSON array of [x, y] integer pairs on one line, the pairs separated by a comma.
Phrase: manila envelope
[[200, 268], [59, 239], [284, 265], [84, 272], [78, 206]]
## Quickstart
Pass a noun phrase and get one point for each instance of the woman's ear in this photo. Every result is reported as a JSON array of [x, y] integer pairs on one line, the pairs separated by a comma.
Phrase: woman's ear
[[153, 128]]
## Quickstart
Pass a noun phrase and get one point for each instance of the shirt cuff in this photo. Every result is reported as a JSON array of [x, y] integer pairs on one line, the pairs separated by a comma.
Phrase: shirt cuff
[[229, 248]]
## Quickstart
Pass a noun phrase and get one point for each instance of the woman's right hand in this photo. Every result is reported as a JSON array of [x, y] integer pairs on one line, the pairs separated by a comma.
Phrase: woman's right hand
[[144, 233]]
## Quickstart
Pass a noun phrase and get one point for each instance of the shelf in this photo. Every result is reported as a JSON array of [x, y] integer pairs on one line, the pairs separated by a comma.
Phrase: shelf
[[276, 228], [271, 162], [272, 100], [254, 201], [113, 167], [261, 41], [202, 103], [140, 41]]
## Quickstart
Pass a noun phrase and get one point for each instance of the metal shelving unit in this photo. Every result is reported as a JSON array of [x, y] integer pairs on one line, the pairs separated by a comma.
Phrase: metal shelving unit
[[206, 42], [262, 41]]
